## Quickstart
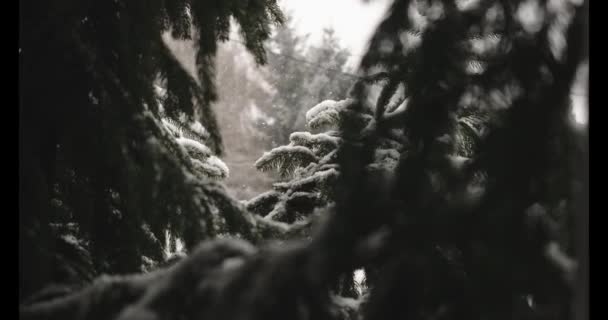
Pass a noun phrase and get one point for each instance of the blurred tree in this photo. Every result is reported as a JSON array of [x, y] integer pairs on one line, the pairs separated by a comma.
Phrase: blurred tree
[[472, 219], [309, 164], [301, 75], [94, 155], [265, 109], [240, 118]]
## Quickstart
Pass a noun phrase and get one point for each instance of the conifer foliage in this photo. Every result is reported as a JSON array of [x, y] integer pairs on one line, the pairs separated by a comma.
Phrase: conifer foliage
[[303, 75], [309, 164], [451, 185], [94, 153]]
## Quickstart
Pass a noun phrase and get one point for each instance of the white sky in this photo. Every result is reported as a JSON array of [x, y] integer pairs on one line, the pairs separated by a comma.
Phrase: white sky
[[353, 20]]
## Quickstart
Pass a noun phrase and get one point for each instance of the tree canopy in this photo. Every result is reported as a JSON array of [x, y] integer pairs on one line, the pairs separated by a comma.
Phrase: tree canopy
[[449, 172], [94, 154]]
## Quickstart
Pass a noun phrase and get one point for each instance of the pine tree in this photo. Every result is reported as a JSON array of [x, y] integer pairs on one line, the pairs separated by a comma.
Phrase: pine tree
[[266, 108], [462, 229], [469, 250], [94, 154], [302, 75], [240, 117], [309, 166], [329, 77]]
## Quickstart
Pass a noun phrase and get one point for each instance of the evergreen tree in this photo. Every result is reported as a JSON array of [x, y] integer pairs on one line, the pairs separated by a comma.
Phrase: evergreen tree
[[328, 73], [301, 75], [94, 155], [272, 102], [471, 247], [309, 166], [468, 226], [240, 118]]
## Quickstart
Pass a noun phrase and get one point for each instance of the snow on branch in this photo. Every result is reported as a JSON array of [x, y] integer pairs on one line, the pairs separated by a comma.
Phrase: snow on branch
[[285, 159], [308, 140], [474, 124], [318, 178], [194, 148], [203, 159], [326, 113], [263, 203], [393, 116], [146, 296], [189, 129], [320, 144], [211, 167], [198, 128]]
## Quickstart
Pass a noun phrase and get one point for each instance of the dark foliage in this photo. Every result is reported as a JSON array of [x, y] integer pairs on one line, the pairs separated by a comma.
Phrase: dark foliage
[[494, 234], [92, 150]]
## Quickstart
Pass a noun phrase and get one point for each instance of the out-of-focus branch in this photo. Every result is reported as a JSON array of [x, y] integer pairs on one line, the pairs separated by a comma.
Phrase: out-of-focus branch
[[581, 302], [150, 294]]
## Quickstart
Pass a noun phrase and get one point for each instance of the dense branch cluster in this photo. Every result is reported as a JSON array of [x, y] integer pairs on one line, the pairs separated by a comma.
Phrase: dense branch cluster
[[446, 174], [94, 153]]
